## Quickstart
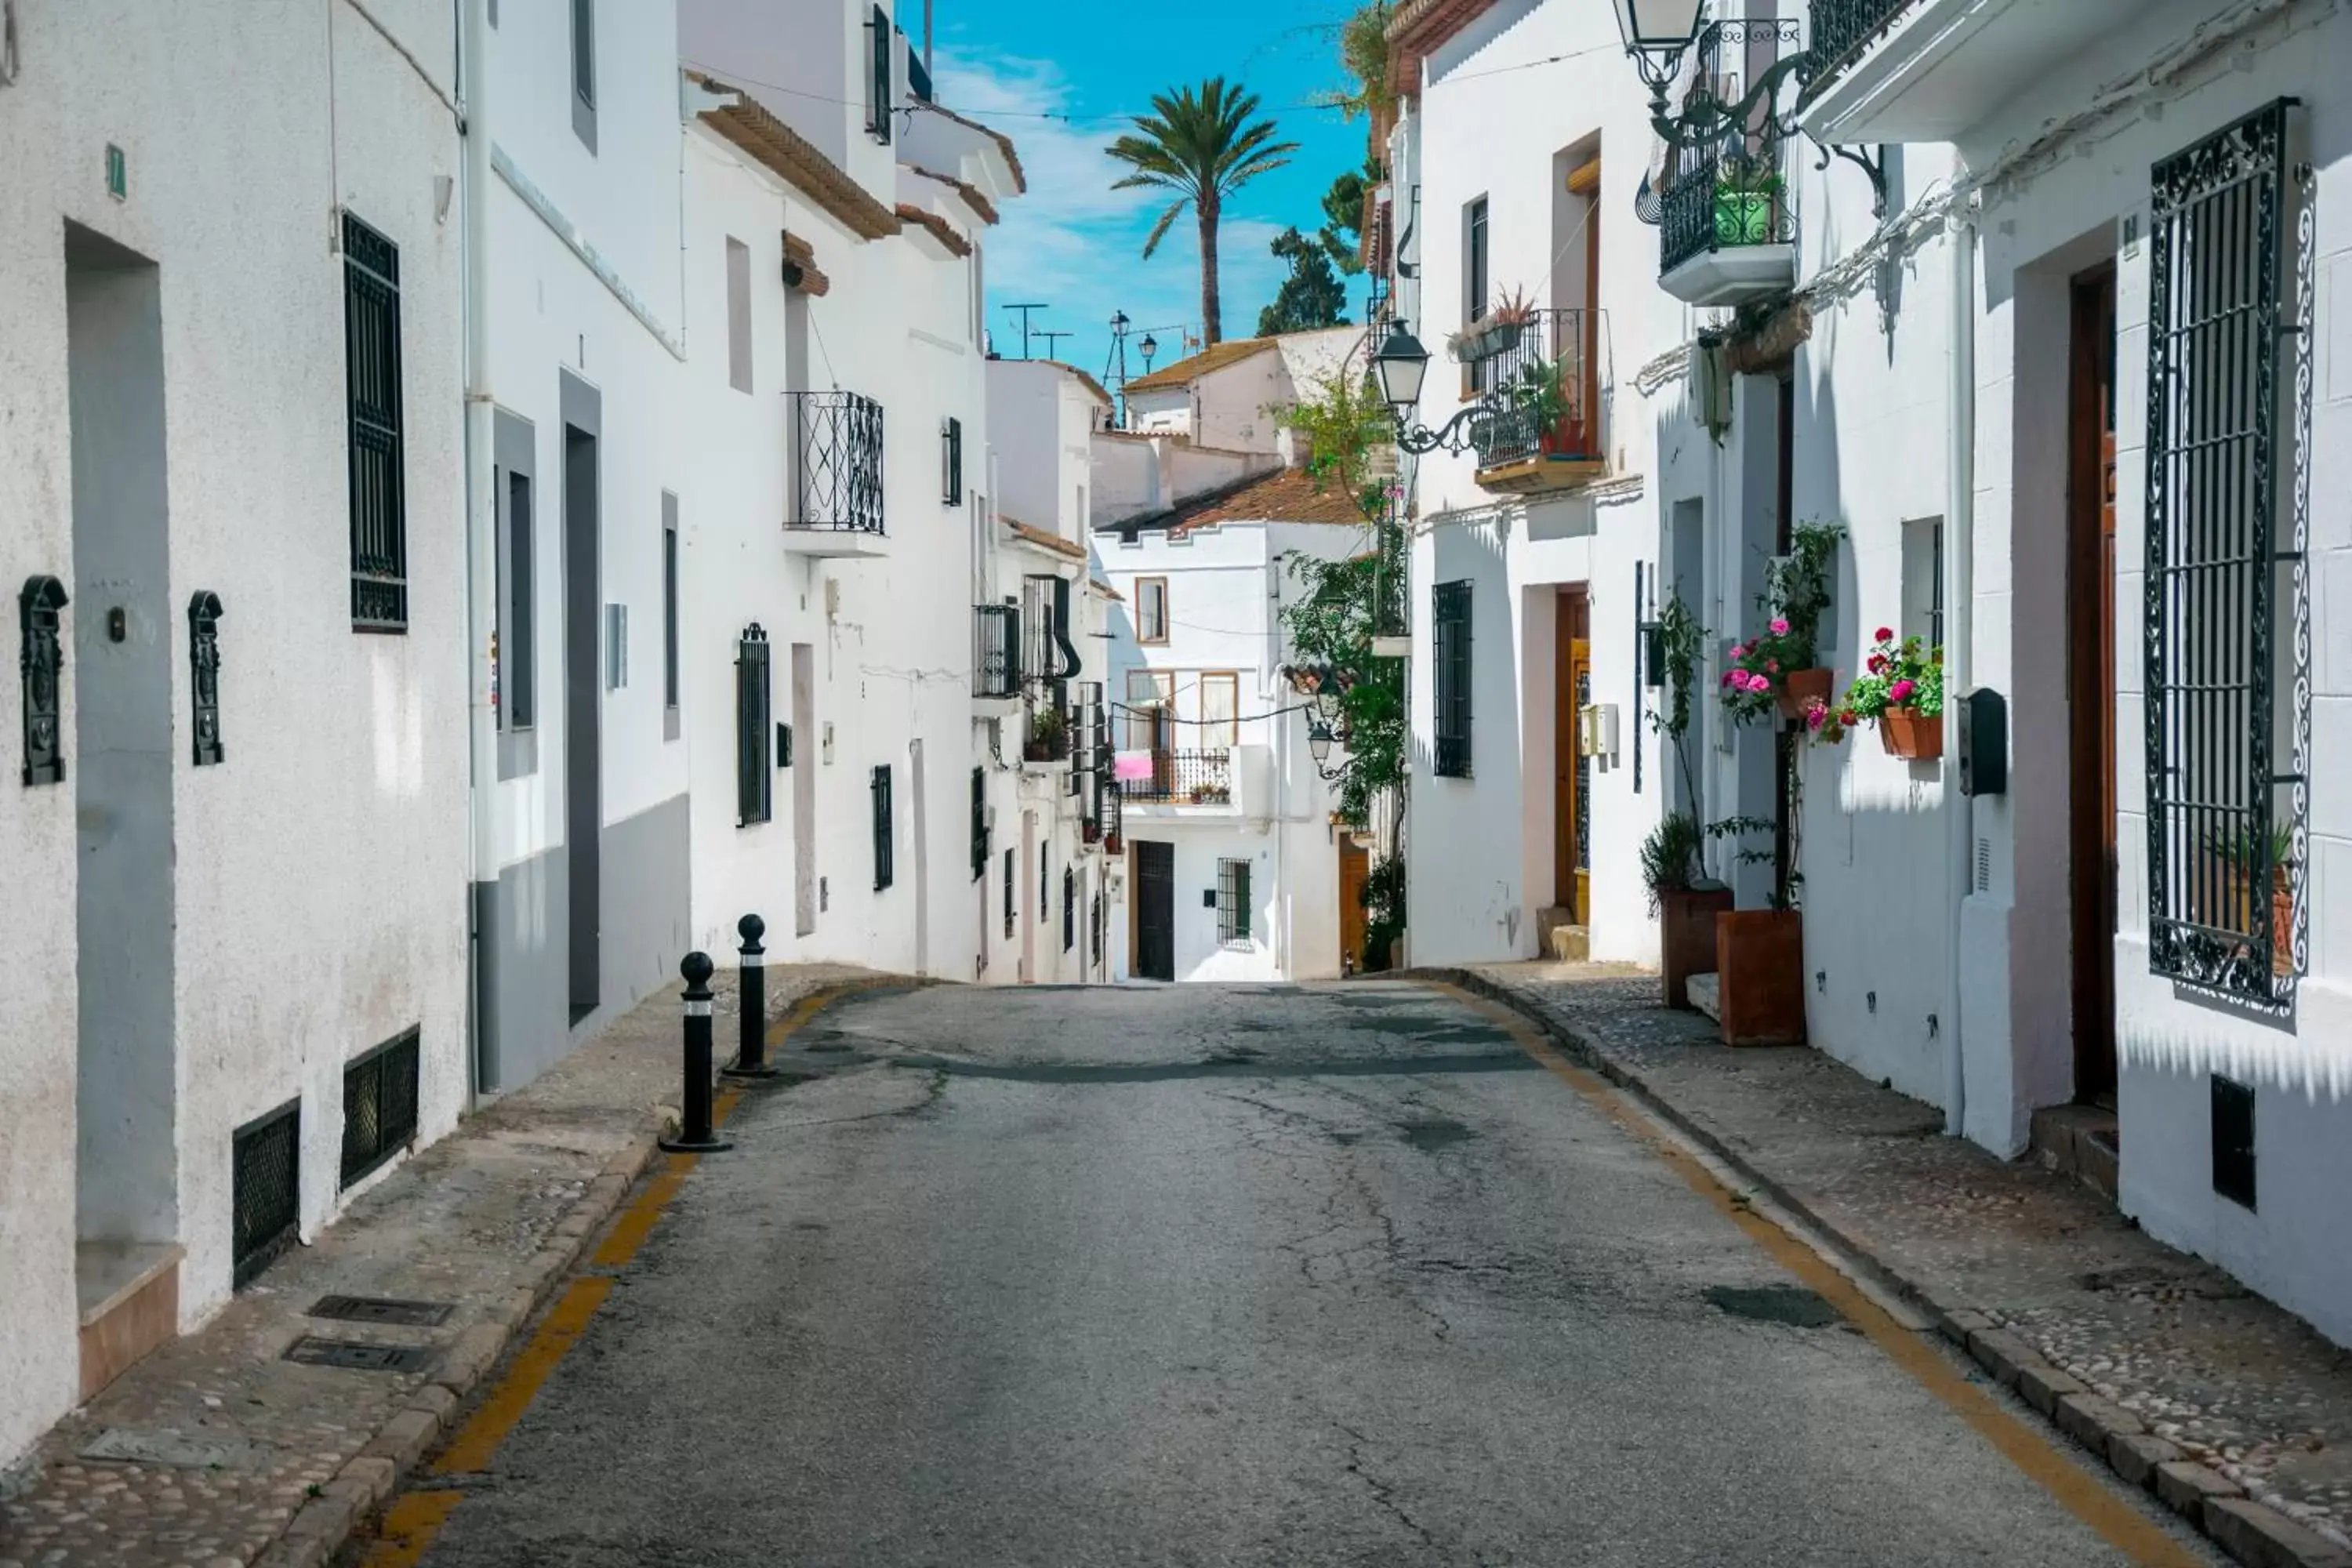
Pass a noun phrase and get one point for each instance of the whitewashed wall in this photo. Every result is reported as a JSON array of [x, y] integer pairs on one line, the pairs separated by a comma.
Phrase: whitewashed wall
[[297, 947]]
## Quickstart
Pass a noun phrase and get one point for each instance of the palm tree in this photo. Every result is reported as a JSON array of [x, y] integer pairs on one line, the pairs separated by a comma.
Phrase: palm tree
[[1201, 146]]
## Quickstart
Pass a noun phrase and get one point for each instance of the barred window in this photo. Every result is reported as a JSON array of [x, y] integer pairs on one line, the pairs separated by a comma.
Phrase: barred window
[[372, 394], [1233, 901], [754, 801], [952, 463], [878, 90], [885, 818], [1451, 671], [1012, 893], [1070, 909], [2223, 878], [979, 824]]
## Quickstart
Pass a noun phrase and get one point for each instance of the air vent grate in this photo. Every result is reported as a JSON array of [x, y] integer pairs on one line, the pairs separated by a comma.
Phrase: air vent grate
[[266, 1189], [382, 1310], [353, 1356], [379, 1105]]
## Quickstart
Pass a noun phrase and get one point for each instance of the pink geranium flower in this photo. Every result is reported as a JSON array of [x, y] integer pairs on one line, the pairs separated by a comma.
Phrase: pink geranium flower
[[1900, 692], [1773, 665], [1780, 629], [1758, 683]]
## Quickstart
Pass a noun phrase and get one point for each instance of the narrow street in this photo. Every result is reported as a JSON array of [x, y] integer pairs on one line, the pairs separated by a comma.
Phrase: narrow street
[[1229, 1275]]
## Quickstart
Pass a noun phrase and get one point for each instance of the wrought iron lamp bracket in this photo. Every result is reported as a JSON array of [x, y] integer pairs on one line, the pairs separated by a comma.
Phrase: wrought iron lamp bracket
[[1706, 118], [1454, 435]]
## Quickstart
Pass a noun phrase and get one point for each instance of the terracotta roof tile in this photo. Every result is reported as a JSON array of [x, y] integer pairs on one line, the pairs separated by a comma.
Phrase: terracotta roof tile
[[972, 194], [1012, 156], [795, 159], [1419, 28], [1045, 541], [940, 229], [1286, 495], [1186, 371]]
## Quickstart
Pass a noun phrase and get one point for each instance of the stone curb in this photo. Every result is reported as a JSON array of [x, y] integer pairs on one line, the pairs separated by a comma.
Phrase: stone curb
[[325, 1523], [2250, 1532]]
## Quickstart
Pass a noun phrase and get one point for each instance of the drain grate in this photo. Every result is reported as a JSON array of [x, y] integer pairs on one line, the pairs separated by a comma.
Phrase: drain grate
[[382, 1309], [1790, 1304], [313, 1351]]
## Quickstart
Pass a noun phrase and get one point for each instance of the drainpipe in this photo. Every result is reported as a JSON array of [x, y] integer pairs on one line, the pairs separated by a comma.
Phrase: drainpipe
[[1959, 579], [481, 506]]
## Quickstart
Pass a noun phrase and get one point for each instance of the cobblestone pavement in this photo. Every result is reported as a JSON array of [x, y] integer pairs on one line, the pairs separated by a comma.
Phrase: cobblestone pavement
[[2225, 1375], [219, 1442]]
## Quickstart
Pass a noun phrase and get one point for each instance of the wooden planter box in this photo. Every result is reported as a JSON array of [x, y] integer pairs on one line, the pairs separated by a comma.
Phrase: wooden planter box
[[1801, 687], [1687, 937], [1759, 958], [1905, 734]]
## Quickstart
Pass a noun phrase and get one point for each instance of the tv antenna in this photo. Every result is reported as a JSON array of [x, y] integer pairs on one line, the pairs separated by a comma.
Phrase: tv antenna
[[1053, 337], [1025, 310]]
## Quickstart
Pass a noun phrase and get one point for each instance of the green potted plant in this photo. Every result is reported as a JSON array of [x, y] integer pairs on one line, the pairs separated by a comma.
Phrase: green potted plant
[[1900, 690], [1507, 322], [1749, 195], [1049, 736], [1684, 902], [2237, 853], [1774, 674]]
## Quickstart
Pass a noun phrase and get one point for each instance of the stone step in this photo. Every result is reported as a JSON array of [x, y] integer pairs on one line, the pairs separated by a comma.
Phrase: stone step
[[1705, 995]]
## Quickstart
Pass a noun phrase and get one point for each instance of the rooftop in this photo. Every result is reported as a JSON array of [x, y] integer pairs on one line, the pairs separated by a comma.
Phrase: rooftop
[[1286, 495], [794, 158], [1184, 372]]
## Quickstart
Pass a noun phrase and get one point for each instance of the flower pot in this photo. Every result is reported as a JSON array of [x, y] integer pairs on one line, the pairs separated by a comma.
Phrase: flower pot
[[2282, 925], [1760, 959], [1743, 217], [1504, 336], [1800, 686], [1907, 732], [1687, 937]]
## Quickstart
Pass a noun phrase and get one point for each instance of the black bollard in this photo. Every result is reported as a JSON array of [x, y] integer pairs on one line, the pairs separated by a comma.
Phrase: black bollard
[[751, 1053], [695, 1136]]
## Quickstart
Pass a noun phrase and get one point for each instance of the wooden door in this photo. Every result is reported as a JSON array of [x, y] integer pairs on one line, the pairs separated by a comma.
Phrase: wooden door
[[1155, 905], [1355, 865], [1572, 775], [2091, 678]]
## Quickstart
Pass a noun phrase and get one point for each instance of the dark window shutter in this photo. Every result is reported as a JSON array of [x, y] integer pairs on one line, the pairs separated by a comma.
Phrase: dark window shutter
[[877, 104], [372, 387], [883, 869], [952, 463], [753, 784], [979, 823], [1451, 672], [1070, 909]]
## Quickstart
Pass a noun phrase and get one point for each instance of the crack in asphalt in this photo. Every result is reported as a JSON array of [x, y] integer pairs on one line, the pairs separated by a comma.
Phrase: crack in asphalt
[[1384, 1494]]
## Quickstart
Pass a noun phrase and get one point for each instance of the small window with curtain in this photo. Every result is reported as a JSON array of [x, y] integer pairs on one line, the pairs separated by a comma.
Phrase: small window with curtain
[[1151, 693], [884, 819], [1152, 609], [1233, 902], [1450, 672], [1220, 711]]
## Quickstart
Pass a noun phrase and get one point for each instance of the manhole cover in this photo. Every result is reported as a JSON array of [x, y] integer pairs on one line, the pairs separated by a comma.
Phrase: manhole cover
[[382, 1309], [1790, 1304], [124, 1445], [312, 1350]]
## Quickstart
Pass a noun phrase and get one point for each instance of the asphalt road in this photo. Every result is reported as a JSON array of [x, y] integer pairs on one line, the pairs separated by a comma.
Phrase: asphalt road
[[1242, 1275]]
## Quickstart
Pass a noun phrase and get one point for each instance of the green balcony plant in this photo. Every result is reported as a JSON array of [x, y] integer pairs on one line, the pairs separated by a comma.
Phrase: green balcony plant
[[1749, 197]]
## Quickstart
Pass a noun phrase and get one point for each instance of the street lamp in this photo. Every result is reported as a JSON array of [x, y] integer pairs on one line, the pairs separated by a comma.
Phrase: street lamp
[[1147, 348], [1318, 743], [1657, 34], [1400, 367]]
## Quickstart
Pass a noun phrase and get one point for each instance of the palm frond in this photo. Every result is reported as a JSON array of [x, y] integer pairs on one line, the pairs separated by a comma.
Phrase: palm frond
[[1166, 220]]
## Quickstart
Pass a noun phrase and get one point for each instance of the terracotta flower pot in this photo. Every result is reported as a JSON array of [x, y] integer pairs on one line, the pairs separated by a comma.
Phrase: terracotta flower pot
[[1760, 957], [1687, 937], [1801, 687], [1905, 732], [2282, 925]]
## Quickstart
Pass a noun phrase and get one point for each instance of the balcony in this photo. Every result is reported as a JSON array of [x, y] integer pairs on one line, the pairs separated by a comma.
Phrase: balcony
[[1541, 387], [1728, 226], [1936, 71], [1225, 782], [836, 507], [995, 652]]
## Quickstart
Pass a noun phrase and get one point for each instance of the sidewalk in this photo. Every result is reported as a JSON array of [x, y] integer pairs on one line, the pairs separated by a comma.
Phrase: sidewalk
[[217, 1451], [2236, 1412]]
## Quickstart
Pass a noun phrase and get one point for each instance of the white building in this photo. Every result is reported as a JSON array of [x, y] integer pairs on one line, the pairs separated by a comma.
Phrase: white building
[[1235, 869], [1044, 814], [2002, 385], [834, 535], [228, 369]]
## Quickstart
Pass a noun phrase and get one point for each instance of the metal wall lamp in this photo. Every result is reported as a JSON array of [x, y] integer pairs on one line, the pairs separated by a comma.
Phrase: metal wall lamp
[[1400, 367]]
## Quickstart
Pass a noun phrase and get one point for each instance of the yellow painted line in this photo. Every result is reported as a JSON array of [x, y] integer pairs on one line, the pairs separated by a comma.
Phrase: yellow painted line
[[412, 1520], [2024, 1446]]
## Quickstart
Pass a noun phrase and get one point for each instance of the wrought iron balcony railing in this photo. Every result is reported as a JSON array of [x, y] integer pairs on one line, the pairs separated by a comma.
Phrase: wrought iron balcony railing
[[996, 650], [1840, 30], [1541, 386], [1730, 191], [837, 462], [1184, 778]]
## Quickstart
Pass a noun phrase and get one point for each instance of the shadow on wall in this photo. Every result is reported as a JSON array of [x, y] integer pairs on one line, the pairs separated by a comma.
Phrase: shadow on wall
[[1477, 909]]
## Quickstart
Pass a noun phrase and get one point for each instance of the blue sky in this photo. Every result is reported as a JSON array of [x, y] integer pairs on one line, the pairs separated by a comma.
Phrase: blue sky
[[1025, 65]]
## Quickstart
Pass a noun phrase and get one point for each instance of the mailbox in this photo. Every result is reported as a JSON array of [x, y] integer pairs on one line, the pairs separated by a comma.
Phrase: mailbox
[[1983, 741]]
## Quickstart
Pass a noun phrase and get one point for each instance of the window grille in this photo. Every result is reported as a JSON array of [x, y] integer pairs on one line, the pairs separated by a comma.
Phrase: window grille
[[518, 677], [952, 463], [1012, 893], [2216, 871], [878, 96], [1450, 671], [1233, 901], [979, 823], [1070, 909], [669, 602], [754, 797], [379, 1105], [883, 821], [837, 462], [373, 390], [265, 1189]]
